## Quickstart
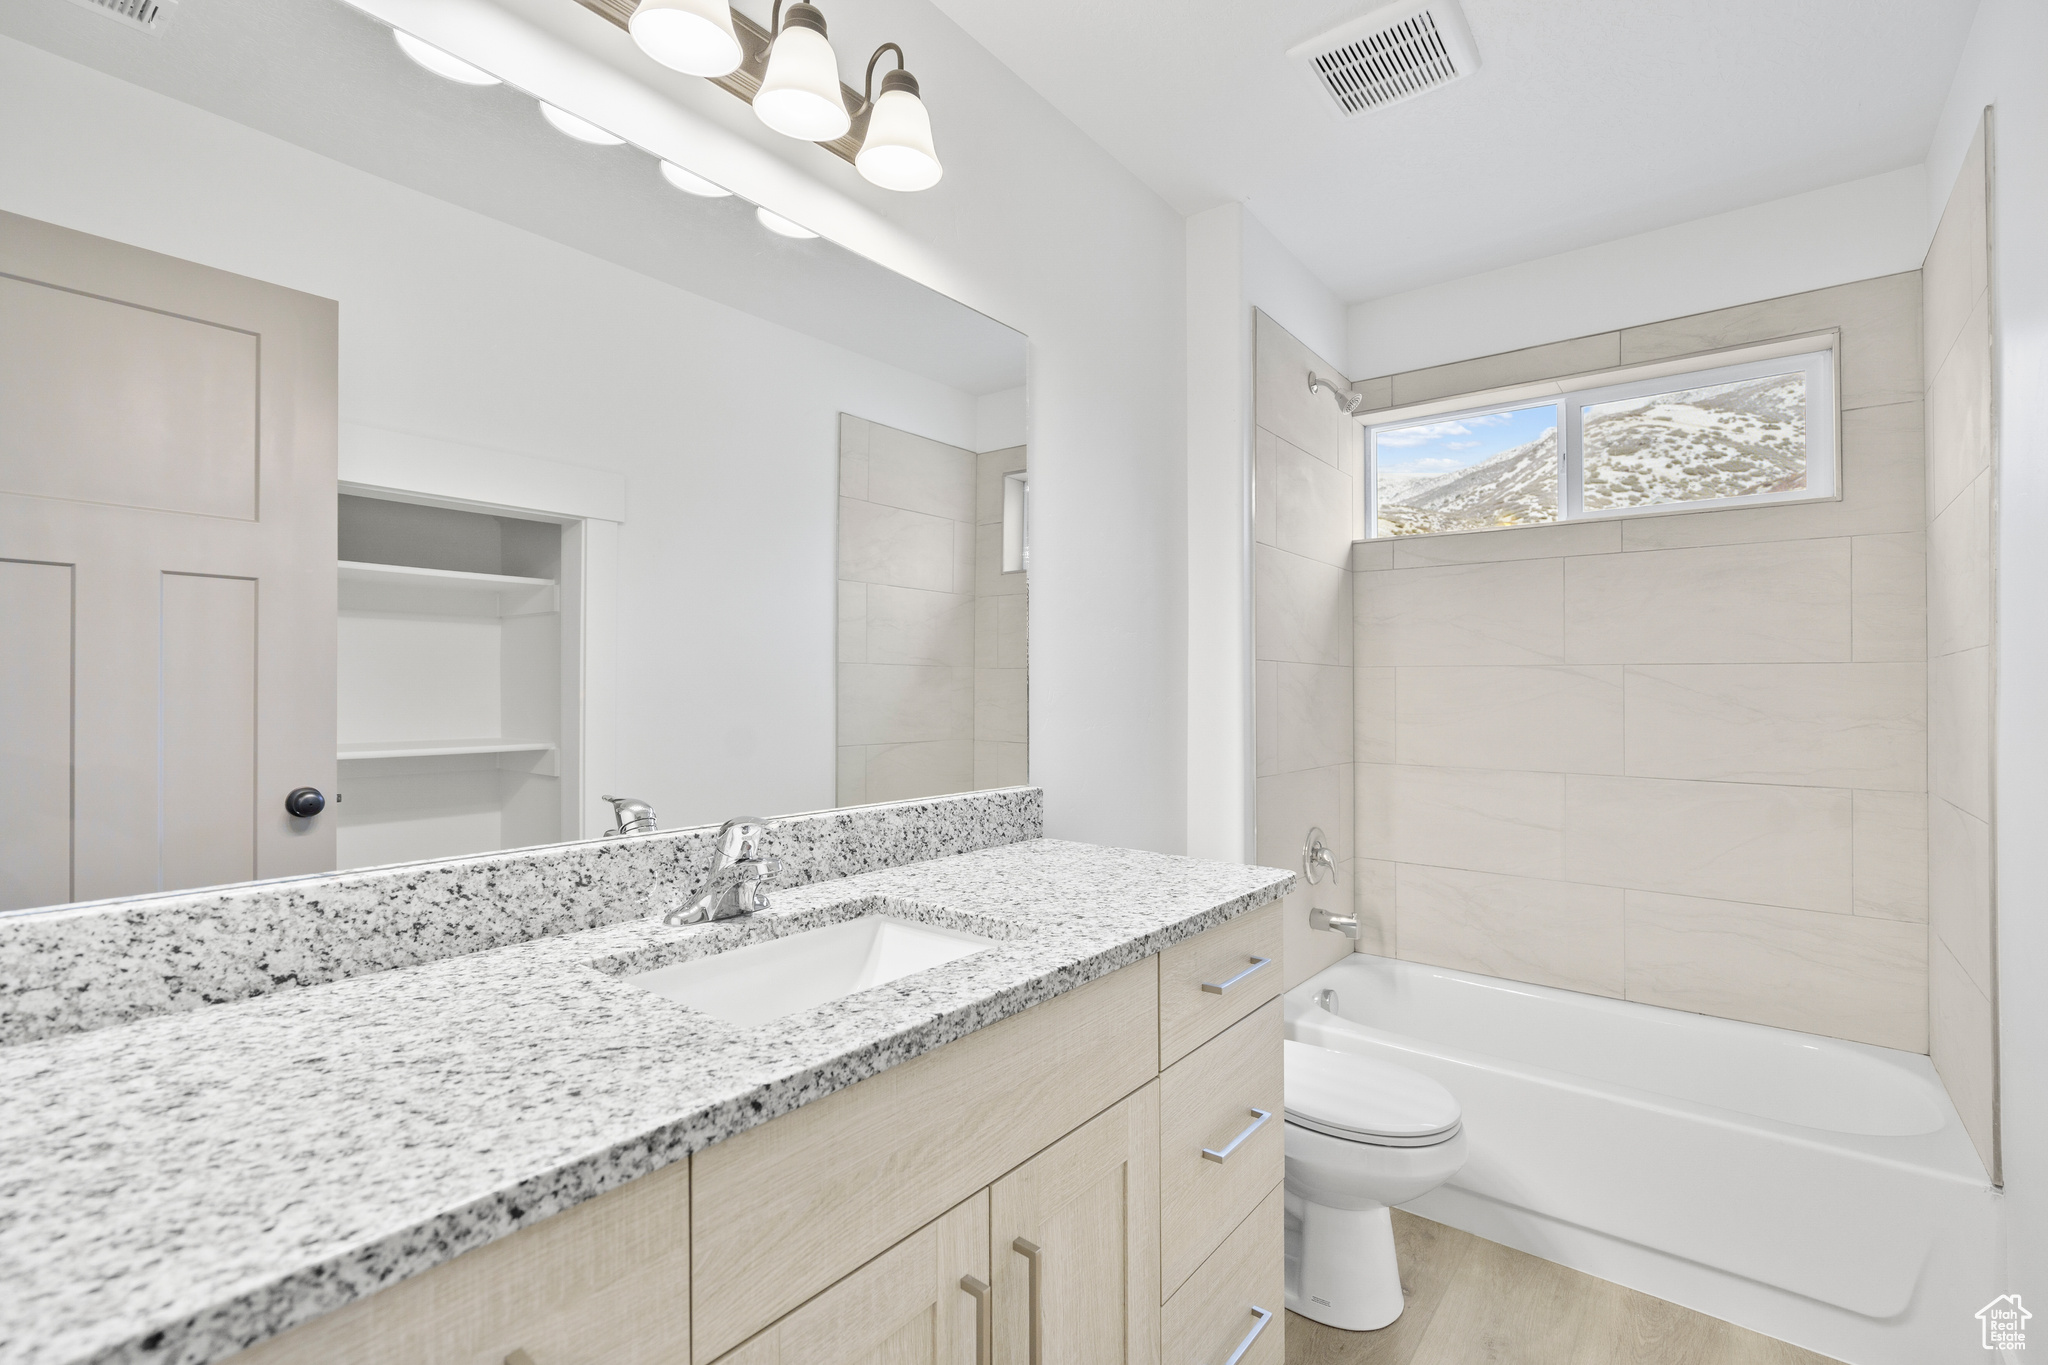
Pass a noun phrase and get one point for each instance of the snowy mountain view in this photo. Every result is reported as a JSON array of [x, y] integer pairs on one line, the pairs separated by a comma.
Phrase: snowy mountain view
[[1721, 441]]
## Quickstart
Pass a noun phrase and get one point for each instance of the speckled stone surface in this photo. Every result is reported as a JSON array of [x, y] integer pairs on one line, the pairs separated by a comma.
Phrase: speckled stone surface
[[110, 962], [185, 1185]]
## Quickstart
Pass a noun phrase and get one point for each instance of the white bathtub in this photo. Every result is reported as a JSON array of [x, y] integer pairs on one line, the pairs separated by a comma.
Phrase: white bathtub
[[1827, 1170]]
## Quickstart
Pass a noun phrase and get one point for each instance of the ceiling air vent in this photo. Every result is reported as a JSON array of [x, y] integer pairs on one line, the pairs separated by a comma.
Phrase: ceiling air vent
[[1390, 55], [148, 15]]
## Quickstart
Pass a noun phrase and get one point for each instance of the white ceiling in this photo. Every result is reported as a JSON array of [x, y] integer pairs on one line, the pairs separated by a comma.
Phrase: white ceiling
[[1588, 119]]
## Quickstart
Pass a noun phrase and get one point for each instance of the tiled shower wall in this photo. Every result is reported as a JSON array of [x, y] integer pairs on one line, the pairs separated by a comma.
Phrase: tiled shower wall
[[1961, 494], [1679, 758], [1307, 506], [931, 630]]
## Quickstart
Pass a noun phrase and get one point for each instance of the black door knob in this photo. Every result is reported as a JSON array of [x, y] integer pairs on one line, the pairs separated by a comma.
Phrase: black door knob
[[305, 802]]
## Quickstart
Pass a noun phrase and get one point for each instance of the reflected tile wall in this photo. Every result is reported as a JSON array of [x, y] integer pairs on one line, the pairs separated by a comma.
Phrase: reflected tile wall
[[931, 691], [1680, 758]]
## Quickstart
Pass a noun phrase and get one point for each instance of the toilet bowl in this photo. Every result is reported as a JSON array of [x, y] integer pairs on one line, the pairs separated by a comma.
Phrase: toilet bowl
[[1362, 1135]]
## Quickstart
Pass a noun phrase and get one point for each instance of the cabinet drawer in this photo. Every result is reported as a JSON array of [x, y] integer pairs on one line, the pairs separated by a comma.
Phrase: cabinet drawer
[[783, 1210], [1224, 958], [1206, 1103], [604, 1283], [1220, 1306]]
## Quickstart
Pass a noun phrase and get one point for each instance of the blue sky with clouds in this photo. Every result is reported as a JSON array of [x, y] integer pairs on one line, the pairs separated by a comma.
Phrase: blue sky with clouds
[[1439, 447]]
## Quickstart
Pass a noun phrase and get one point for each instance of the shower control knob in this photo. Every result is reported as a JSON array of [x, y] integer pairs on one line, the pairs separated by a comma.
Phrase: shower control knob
[[304, 802]]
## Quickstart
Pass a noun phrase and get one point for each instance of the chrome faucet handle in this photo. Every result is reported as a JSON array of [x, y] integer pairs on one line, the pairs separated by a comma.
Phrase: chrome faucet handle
[[1316, 858], [739, 840], [634, 816]]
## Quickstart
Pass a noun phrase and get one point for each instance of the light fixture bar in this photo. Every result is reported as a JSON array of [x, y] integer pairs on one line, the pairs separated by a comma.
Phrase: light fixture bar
[[741, 84]]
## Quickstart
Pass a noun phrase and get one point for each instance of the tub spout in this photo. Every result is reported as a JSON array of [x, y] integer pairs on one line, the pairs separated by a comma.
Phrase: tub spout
[[1346, 925]]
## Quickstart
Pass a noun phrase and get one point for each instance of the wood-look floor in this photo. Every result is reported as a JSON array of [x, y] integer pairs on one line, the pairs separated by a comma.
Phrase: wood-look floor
[[1475, 1302]]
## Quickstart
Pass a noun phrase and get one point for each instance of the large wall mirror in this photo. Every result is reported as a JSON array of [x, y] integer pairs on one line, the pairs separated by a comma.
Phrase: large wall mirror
[[387, 475]]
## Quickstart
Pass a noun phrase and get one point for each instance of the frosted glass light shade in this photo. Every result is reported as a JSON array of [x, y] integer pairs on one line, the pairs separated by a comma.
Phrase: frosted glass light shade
[[799, 95], [897, 152], [689, 182], [775, 222], [583, 130], [441, 63], [695, 37]]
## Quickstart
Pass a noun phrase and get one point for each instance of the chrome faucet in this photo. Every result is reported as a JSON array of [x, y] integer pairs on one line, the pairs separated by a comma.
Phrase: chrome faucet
[[634, 816], [738, 881], [1316, 858], [1346, 925]]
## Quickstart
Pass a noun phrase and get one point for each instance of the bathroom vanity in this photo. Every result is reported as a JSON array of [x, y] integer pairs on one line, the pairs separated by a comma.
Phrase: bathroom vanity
[[1063, 1146]]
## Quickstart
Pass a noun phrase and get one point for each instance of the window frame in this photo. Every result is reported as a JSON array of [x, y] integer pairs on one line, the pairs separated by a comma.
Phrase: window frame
[[1823, 448]]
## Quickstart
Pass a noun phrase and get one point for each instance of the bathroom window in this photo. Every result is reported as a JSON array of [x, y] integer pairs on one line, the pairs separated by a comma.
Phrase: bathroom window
[[1726, 436]]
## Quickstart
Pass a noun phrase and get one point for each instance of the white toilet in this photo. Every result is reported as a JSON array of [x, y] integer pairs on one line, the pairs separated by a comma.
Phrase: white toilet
[[1362, 1134]]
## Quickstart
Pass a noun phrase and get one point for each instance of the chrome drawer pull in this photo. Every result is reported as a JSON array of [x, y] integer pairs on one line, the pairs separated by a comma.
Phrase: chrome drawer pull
[[984, 1350], [1263, 1317], [1259, 1117], [1031, 1253], [1215, 988]]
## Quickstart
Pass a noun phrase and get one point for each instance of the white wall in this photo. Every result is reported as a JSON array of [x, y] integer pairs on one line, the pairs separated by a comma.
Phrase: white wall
[[1855, 231], [2001, 67], [457, 326]]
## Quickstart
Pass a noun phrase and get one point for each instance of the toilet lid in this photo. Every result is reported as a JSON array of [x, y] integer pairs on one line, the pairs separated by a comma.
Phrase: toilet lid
[[1363, 1099]]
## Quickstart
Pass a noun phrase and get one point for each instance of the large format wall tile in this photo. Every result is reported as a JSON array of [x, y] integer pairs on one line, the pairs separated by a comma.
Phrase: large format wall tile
[[1780, 602], [1959, 887], [1889, 577], [1889, 876], [913, 626], [1289, 804], [999, 704], [1959, 729], [1960, 1029], [1839, 975], [1825, 725], [1303, 608], [1507, 613], [1375, 697], [897, 772], [1957, 271], [1373, 902], [1282, 402], [1553, 933], [1483, 819], [1557, 719], [919, 474], [899, 703], [1959, 572], [1507, 542], [1959, 412], [1311, 503], [1879, 321], [1312, 715], [1580, 355], [1737, 841], [1884, 492], [880, 544]]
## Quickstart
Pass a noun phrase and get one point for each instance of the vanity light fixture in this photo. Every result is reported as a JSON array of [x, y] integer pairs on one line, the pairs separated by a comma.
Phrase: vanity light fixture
[[799, 95], [441, 63], [775, 222], [695, 37], [689, 182], [583, 130], [896, 152]]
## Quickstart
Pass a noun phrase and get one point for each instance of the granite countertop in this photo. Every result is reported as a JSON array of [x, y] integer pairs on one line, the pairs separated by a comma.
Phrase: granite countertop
[[180, 1187]]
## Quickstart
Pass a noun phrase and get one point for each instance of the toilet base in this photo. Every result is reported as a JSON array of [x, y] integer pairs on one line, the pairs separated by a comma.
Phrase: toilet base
[[1341, 1269]]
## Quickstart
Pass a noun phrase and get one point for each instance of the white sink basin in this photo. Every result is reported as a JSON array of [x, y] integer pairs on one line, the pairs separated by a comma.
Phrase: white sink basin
[[765, 981]]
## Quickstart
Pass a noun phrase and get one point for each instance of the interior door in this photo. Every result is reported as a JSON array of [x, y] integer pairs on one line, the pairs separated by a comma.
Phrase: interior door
[[1074, 1241], [921, 1302], [167, 579]]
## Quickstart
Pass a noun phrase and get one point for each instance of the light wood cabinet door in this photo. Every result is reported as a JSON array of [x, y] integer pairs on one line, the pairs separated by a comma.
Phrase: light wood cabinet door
[[1075, 1245], [921, 1302]]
